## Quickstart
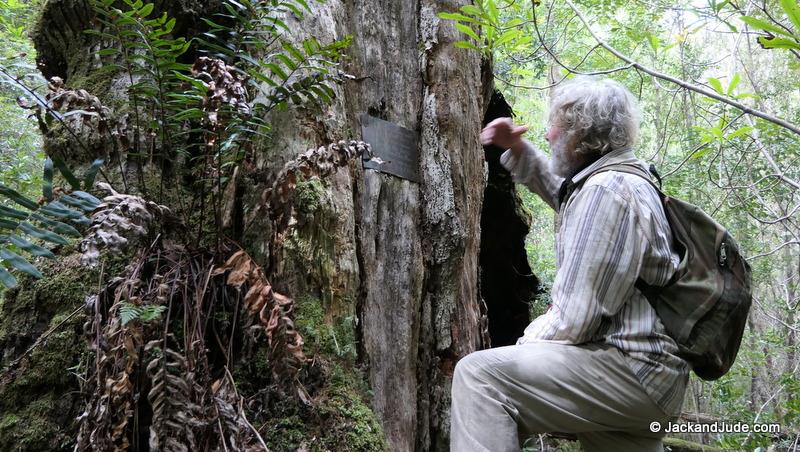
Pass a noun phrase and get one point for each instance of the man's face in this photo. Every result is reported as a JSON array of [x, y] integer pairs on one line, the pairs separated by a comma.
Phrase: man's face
[[564, 161]]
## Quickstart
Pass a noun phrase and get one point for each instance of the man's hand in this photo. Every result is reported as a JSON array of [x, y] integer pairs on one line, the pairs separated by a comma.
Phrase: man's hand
[[502, 132]]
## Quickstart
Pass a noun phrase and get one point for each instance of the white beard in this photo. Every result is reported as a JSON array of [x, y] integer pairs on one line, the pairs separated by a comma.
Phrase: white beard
[[563, 161]]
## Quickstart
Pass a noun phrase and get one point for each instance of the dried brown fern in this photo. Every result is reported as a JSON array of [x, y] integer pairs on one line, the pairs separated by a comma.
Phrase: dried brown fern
[[104, 423], [274, 312], [172, 387], [320, 162], [175, 414]]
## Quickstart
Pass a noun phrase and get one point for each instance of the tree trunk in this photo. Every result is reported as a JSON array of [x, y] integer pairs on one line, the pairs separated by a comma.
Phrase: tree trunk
[[401, 256]]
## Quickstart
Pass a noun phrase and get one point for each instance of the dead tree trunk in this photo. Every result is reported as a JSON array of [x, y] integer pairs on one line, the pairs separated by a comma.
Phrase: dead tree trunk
[[401, 255]]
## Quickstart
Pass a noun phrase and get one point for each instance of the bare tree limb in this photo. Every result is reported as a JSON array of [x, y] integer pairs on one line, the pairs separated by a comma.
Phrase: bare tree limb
[[570, 69], [769, 253], [684, 84]]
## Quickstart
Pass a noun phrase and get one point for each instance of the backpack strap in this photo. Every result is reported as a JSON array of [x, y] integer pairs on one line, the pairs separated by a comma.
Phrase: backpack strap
[[568, 187]]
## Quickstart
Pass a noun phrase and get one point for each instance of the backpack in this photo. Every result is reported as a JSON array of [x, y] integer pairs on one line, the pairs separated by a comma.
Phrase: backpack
[[704, 306]]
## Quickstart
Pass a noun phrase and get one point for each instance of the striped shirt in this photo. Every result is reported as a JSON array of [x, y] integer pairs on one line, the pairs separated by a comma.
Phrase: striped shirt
[[611, 231]]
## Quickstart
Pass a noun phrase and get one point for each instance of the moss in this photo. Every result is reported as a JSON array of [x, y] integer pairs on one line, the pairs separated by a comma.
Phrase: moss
[[288, 433], [49, 362], [32, 429], [310, 196], [328, 334], [39, 393], [355, 426], [340, 417]]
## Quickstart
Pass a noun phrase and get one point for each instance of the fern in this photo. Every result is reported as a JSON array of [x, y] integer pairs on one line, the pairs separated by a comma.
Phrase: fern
[[175, 414], [129, 312], [24, 221], [145, 51], [278, 71]]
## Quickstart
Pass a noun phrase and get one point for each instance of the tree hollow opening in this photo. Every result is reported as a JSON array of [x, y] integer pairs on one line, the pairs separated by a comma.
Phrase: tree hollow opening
[[507, 284]]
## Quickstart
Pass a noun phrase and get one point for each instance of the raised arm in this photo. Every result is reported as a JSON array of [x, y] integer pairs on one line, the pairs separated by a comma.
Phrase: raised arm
[[527, 165]]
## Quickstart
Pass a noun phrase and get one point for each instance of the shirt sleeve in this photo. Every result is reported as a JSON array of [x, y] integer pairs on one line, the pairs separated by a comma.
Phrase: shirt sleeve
[[532, 169], [601, 250]]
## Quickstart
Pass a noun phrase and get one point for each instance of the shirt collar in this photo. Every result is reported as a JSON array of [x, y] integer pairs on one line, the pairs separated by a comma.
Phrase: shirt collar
[[614, 157]]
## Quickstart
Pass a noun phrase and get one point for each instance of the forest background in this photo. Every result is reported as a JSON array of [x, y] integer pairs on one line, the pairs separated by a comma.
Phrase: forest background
[[741, 168]]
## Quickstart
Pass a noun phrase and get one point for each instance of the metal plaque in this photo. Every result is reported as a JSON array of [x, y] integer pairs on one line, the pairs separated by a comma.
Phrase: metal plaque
[[396, 146]]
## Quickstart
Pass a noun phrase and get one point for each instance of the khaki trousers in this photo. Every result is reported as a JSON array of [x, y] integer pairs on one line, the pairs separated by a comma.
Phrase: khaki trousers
[[501, 396]]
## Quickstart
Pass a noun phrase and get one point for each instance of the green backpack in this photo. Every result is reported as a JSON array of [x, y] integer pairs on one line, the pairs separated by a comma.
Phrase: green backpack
[[704, 306]]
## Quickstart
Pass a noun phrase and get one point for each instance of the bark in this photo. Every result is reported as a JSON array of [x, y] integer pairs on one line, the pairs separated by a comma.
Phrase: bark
[[402, 256]]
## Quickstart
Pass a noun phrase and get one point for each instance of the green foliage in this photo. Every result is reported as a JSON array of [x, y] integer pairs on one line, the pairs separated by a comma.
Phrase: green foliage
[[20, 142], [485, 24], [738, 168], [277, 70], [208, 115], [776, 34], [23, 222], [149, 56], [129, 312]]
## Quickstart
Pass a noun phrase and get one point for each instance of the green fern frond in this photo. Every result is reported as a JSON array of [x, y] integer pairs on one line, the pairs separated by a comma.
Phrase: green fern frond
[[28, 221]]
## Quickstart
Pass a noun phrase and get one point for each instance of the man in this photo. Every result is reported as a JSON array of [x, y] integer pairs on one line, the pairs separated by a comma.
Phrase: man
[[598, 363]]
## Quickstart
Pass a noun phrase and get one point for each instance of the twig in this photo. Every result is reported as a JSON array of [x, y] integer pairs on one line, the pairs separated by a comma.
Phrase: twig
[[781, 246], [241, 411], [41, 339], [569, 69], [684, 84]]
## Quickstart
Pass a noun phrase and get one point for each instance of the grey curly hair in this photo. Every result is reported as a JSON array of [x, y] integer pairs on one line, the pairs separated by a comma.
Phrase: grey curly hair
[[601, 113]]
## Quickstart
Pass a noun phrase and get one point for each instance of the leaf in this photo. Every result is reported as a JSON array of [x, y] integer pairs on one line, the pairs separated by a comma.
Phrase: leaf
[[734, 83], [23, 244], [792, 10], [56, 226], [7, 279], [716, 84], [146, 10], [739, 132], [18, 263], [465, 45], [17, 197], [276, 70], [763, 25], [108, 52], [777, 43], [57, 209], [86, 197], [42, 234], [128, 312], [47, 182], [91, 174], [294, 51], [151, 312], [457, 17], [291, 65], [507, 36], [64, 170], [9, 212], [8, 224], [467, 31], [472, 10], [654, 42]]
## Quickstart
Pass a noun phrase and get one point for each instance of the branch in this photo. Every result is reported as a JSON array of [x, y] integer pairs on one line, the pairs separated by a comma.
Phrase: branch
[[684, 84], [567, 68], [769, 253]]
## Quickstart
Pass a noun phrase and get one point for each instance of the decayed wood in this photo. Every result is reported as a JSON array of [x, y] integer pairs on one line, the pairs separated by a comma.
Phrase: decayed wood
[[405, 253], [417, 244]]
